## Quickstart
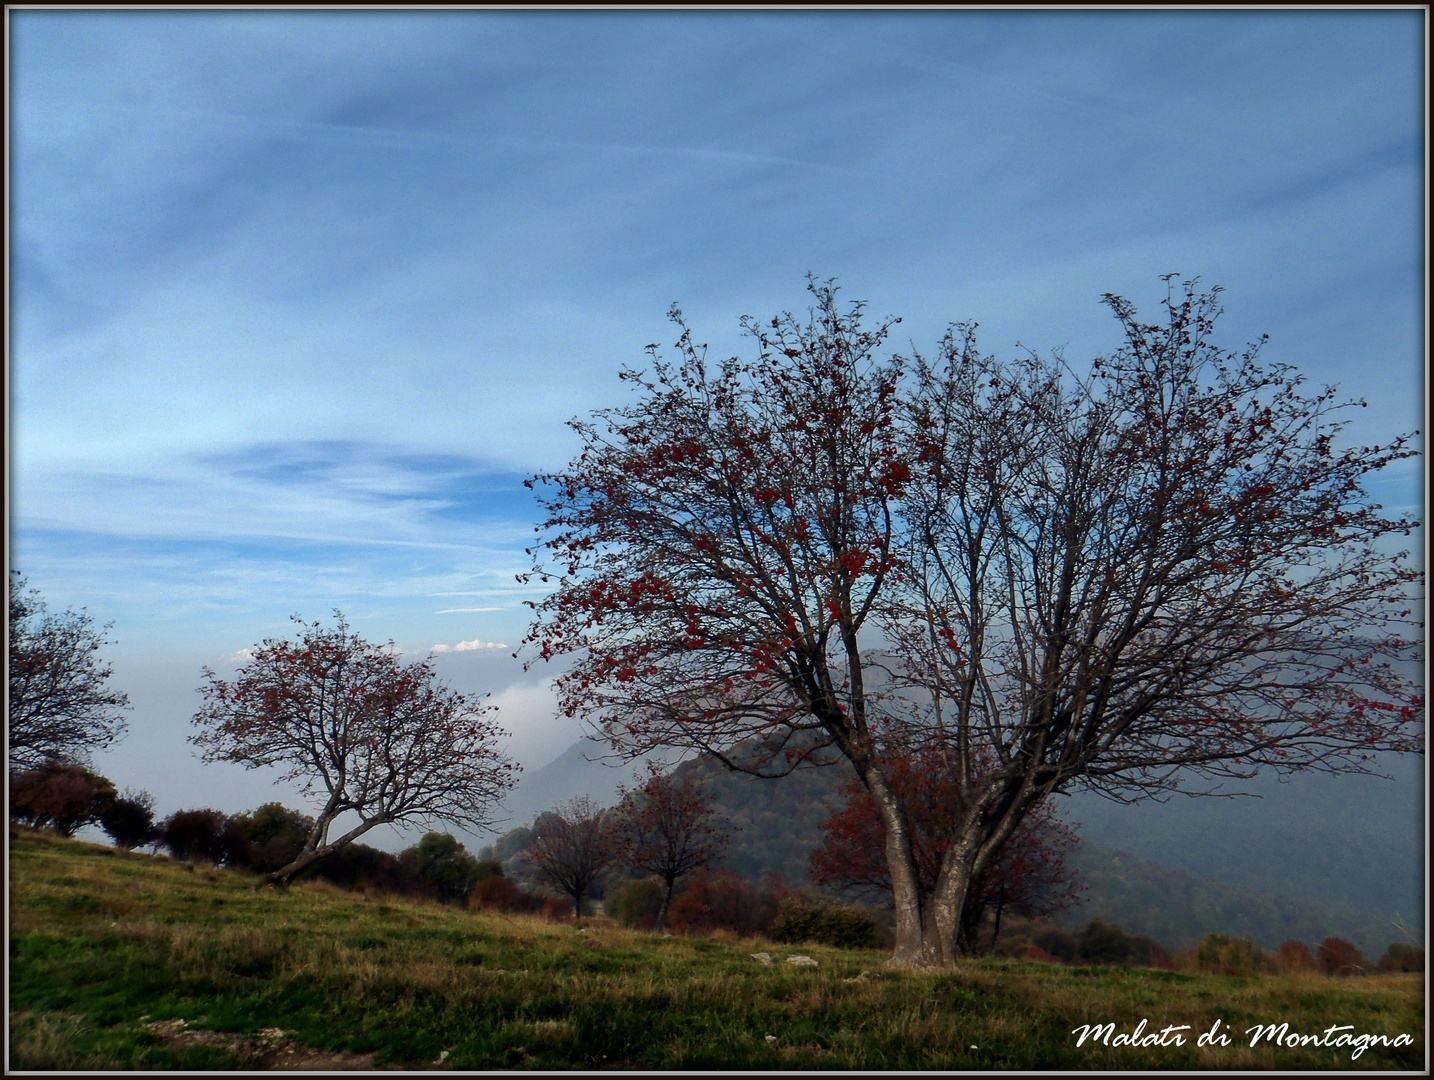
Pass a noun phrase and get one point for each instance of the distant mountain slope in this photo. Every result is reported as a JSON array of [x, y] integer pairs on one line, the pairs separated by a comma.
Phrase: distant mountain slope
[[585, 768], [1354, 842], [1179, 909], [778, 822]]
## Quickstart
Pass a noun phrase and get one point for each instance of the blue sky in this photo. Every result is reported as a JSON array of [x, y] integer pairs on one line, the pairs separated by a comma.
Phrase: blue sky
[[298, 299]]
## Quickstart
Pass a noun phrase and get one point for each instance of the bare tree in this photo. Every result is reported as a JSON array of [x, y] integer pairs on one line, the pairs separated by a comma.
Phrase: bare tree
[[1162, 570], [669, 827], [372, 737], [59, 707], [573, 846]]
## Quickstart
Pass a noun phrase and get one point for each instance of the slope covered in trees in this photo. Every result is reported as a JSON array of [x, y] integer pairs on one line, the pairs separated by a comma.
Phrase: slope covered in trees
[[1179, 909], [1352, 842]]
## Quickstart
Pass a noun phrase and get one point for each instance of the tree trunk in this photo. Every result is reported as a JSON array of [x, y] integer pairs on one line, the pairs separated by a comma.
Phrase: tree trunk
[[952, 886], [912, 933], [666, 903], [975, 846], [309, 855]]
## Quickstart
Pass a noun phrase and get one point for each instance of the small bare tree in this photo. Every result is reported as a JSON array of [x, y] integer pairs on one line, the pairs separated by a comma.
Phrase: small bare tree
[[669, 827], [60, 709], [380, 740], [574, 845]]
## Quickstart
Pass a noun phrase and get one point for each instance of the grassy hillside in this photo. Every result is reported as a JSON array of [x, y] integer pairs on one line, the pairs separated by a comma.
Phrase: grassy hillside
[[123, 961]]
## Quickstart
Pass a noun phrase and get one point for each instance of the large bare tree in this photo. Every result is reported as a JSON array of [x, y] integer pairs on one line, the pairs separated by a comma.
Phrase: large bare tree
[[60, 709], [1162, 569], [370, 736]]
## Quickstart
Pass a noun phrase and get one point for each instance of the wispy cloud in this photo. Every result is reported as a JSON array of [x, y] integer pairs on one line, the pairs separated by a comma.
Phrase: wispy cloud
[[298, 300]]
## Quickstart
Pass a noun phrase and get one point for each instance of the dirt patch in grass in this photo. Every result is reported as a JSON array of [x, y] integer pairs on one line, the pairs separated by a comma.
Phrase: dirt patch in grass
[[270, 1049]]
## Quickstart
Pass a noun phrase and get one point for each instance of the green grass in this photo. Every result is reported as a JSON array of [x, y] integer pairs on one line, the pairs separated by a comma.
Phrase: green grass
[[105, 947]]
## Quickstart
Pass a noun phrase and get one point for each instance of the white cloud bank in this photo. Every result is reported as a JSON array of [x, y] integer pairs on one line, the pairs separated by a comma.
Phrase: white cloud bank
[[469, 646]]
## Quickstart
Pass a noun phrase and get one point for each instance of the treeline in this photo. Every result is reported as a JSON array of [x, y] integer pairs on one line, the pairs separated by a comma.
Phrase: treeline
[[65, 798], [1100, 943]]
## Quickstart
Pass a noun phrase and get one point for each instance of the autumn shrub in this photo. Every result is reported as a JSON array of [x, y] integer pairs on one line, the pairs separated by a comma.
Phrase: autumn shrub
[[59, 797], [1339, 957], [1106, 943], [634, 904], [1058, 943], [722, 901], [487, 868], [1402, 956], [358, 866], [843, 927], [440, 858], [498, 893], [129, 820], [276, 835], [1292, 957], [556, 909], [1225, 955], [1032, 951]]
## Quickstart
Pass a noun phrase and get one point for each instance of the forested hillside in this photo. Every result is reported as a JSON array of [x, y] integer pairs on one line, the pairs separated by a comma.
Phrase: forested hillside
[[1179, 909], [1353, 842]]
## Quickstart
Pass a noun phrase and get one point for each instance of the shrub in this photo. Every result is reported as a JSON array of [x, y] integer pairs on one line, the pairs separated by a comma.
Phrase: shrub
[[498, 893], [272, 854], [1402, 956], [1225, 955], [358, 866], [635, 904], [1035, 952], [1100, 942], [824, 924], [129, 820], [274, 821], [722, 901], [60, 797], [557, 909], [1291, 957], [1339, 957], [275, 833], [1058, 943], [441, 859], [205, 834]]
